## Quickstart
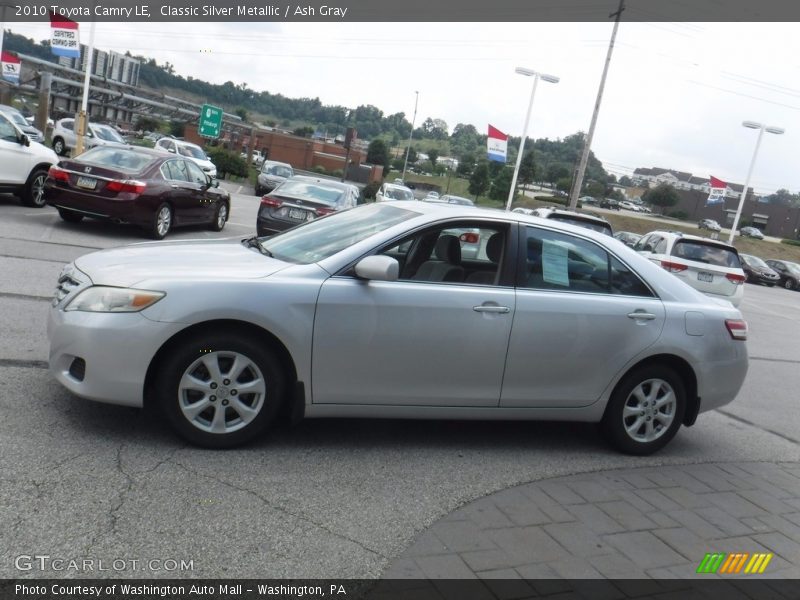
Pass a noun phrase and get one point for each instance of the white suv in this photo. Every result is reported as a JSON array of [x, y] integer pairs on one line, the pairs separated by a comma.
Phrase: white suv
[[710, 266], [188, 150], [23, 164], [65, 139]]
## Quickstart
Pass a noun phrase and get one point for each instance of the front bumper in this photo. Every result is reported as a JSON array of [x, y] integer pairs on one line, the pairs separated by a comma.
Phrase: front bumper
[[116, 348]]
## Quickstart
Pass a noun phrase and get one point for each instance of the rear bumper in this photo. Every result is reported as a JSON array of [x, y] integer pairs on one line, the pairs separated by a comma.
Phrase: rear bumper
[[122, 211]]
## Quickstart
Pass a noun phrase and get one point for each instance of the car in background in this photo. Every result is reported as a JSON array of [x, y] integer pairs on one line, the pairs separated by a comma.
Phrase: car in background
[[188, 150], [710, 266], [588, 200], [628, 205], [22, 123], [256, 159], [451, 199], [431, 196], [31, 119], [592, 222], [789, 273], [141, 186], [391, 191], [753, 232], [300, 199], [153, 136], [271, 175], [65, 138], [709, 224], [609, 204], [757, 271], [224, 336], [628, 238], [523, 211], [23, 164]]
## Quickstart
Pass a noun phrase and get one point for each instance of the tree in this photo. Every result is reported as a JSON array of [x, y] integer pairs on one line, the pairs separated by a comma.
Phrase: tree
[[527, 168], [466, 165], [479, 181], [564, 184], [378, 154], [501, 185], [663, 195], [433, 155], [625, 180], [412, 155], [556, 171], [305, 131], [241, 113]]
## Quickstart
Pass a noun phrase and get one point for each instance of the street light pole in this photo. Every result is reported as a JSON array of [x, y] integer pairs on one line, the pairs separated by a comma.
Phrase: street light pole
[[536, 76], [410, 135], [761, 129]]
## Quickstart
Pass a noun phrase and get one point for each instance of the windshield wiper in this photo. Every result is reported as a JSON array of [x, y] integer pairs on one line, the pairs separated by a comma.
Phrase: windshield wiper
[[252, 242]]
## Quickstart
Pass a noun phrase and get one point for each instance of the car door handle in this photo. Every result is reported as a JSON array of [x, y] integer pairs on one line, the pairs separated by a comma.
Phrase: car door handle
[[640, 315], [491, 309]]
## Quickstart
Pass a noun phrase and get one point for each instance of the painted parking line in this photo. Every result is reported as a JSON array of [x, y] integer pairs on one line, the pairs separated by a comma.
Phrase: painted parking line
[[239, 190]]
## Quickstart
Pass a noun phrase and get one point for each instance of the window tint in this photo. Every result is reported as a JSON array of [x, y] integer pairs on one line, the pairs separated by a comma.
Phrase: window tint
[[7, 131], [557, 261], [309, 190], [175, 170], [67, 124], [196, 174], [709, 254], [122, 159]]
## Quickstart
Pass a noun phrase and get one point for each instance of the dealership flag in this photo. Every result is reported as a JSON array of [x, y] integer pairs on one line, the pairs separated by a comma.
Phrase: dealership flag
[[496, 144], [11, 67], [717, 195], [64, 39]]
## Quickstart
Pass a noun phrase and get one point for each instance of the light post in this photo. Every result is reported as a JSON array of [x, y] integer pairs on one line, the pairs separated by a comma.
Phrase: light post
[[536, 76], [761, 129], [410, 135]]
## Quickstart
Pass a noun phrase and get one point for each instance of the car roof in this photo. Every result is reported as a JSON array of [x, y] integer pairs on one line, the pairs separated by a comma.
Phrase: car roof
[[324, 180], [572, 213], [698, 238]]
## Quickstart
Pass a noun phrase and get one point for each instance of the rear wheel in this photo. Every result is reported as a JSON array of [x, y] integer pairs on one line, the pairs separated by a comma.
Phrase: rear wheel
[[220, 390], [34, 189], [220, 217], [161, 222], [789, 284], [70, 216], [59, 147], [645, 410]]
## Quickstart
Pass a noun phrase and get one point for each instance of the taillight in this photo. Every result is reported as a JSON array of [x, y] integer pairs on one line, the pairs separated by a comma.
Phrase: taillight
[[58, 174], [321, 212], [470, 238], [737, 328], [270, 201], [128, 185], [673, 267], [735, 278]]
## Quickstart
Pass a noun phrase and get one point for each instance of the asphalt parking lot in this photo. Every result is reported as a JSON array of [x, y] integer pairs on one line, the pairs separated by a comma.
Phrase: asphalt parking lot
[[338, 499]]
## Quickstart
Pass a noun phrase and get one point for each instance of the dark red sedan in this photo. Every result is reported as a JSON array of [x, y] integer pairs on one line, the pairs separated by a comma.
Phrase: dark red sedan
[[144, 187]]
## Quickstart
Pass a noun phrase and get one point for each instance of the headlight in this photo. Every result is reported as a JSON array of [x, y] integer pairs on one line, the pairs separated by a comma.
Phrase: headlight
[[110, 299]]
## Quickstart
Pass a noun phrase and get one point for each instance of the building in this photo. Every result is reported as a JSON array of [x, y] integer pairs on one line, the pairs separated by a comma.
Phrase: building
[[680, 180]]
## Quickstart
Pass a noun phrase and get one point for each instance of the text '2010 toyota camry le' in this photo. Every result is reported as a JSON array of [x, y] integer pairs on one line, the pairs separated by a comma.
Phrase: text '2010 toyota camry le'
[[374, 312]]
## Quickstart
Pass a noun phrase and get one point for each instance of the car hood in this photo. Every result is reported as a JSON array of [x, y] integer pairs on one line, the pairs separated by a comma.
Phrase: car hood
[[203, 260]]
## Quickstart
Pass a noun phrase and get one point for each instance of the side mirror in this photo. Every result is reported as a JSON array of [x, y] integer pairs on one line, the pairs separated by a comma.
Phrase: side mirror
[[24, 140], [378, 268]]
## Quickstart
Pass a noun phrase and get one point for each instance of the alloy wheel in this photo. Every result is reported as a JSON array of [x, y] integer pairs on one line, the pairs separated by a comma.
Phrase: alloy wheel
[[37, 190], [222, 215], [164, 220], [649, 410]]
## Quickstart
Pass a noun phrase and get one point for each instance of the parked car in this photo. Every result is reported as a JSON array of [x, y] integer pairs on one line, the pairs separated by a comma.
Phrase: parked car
[[592, 222], [188, 150], [451, 199], [220, 335], [23, 164], [628, 205], [65, 138], [271, 175], [300, 199], [752, 232], [523, 211], [628, 238], [151, 189], [757, 271], [431, 196], [35, 135], [789, 273], [709, 224], [391, 191], [256, 158], [609, 203], [588, 200], [710, 266]]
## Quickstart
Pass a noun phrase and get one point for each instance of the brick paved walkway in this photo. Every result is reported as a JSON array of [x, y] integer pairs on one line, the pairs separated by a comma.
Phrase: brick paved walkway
[[628, 523]]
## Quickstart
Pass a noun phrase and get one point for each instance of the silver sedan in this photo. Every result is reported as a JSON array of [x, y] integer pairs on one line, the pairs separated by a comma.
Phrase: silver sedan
[[374, 312]]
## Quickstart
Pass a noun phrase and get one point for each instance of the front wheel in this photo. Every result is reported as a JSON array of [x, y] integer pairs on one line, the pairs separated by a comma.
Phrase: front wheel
[[645, 410], [34, 189], [220, 217], [220, 390]]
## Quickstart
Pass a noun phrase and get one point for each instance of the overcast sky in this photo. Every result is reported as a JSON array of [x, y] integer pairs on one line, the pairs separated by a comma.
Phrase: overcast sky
[[675, 97]]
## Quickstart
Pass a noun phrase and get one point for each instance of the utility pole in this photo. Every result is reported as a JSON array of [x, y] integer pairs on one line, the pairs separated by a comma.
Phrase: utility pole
[[410, 135], [578, 182]]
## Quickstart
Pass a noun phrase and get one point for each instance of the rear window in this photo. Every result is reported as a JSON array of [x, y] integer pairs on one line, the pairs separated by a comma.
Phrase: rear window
[[588, 224], [121, 159], [753, 261], [108, 134], [398, 194], [278, 170], [706, 253], [310, 190]]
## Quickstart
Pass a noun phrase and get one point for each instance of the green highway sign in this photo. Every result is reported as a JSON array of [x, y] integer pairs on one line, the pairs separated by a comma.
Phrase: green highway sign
[[210, 121]]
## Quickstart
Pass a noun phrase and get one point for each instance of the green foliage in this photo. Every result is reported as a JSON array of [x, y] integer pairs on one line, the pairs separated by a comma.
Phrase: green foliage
[[177, 128], [790, 242], [625, 180], [433, 156], [303, 131], [663, 195], [466, 165], [596, 189], [679, 214], [479, 181], [501, 185], [378, 153], [227, 163], [564, 184], [242, 114], [148, 124], [371, 189], [527, 168], [319, 169], [412, 155]]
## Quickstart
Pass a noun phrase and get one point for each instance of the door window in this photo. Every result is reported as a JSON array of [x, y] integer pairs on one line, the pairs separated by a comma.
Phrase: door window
[[7, 131], [196, 174], [175, 170]]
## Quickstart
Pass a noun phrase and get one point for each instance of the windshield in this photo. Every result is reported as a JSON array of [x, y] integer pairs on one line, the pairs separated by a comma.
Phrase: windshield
[[107, 134], [325, 237], [192, 152], [593, 225], [706, 253], [395, 193], [121, 159], [753, 261], [278, 170], [16, 118], [793, 267]]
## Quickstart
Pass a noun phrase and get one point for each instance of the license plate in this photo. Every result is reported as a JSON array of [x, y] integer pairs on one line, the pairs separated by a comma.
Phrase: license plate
[[86, 182], [707, 277], [298, 214]]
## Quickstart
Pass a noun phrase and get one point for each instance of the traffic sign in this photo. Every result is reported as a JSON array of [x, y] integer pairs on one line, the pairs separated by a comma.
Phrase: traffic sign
[[210, 121]]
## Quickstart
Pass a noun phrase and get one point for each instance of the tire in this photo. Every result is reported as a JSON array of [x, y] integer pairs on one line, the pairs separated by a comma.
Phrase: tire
[[220, 217], [259, 191], [790, 284], [626, 408], [198, 370], [70, 216], [770, 285], [34, 189], [59, 147], [161, 222]]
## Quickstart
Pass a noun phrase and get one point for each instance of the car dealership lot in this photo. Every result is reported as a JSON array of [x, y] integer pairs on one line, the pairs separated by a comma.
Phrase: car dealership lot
[[323, 499]]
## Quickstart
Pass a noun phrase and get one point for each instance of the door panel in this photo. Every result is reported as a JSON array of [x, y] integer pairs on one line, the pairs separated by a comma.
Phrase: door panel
[[407, 343]]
